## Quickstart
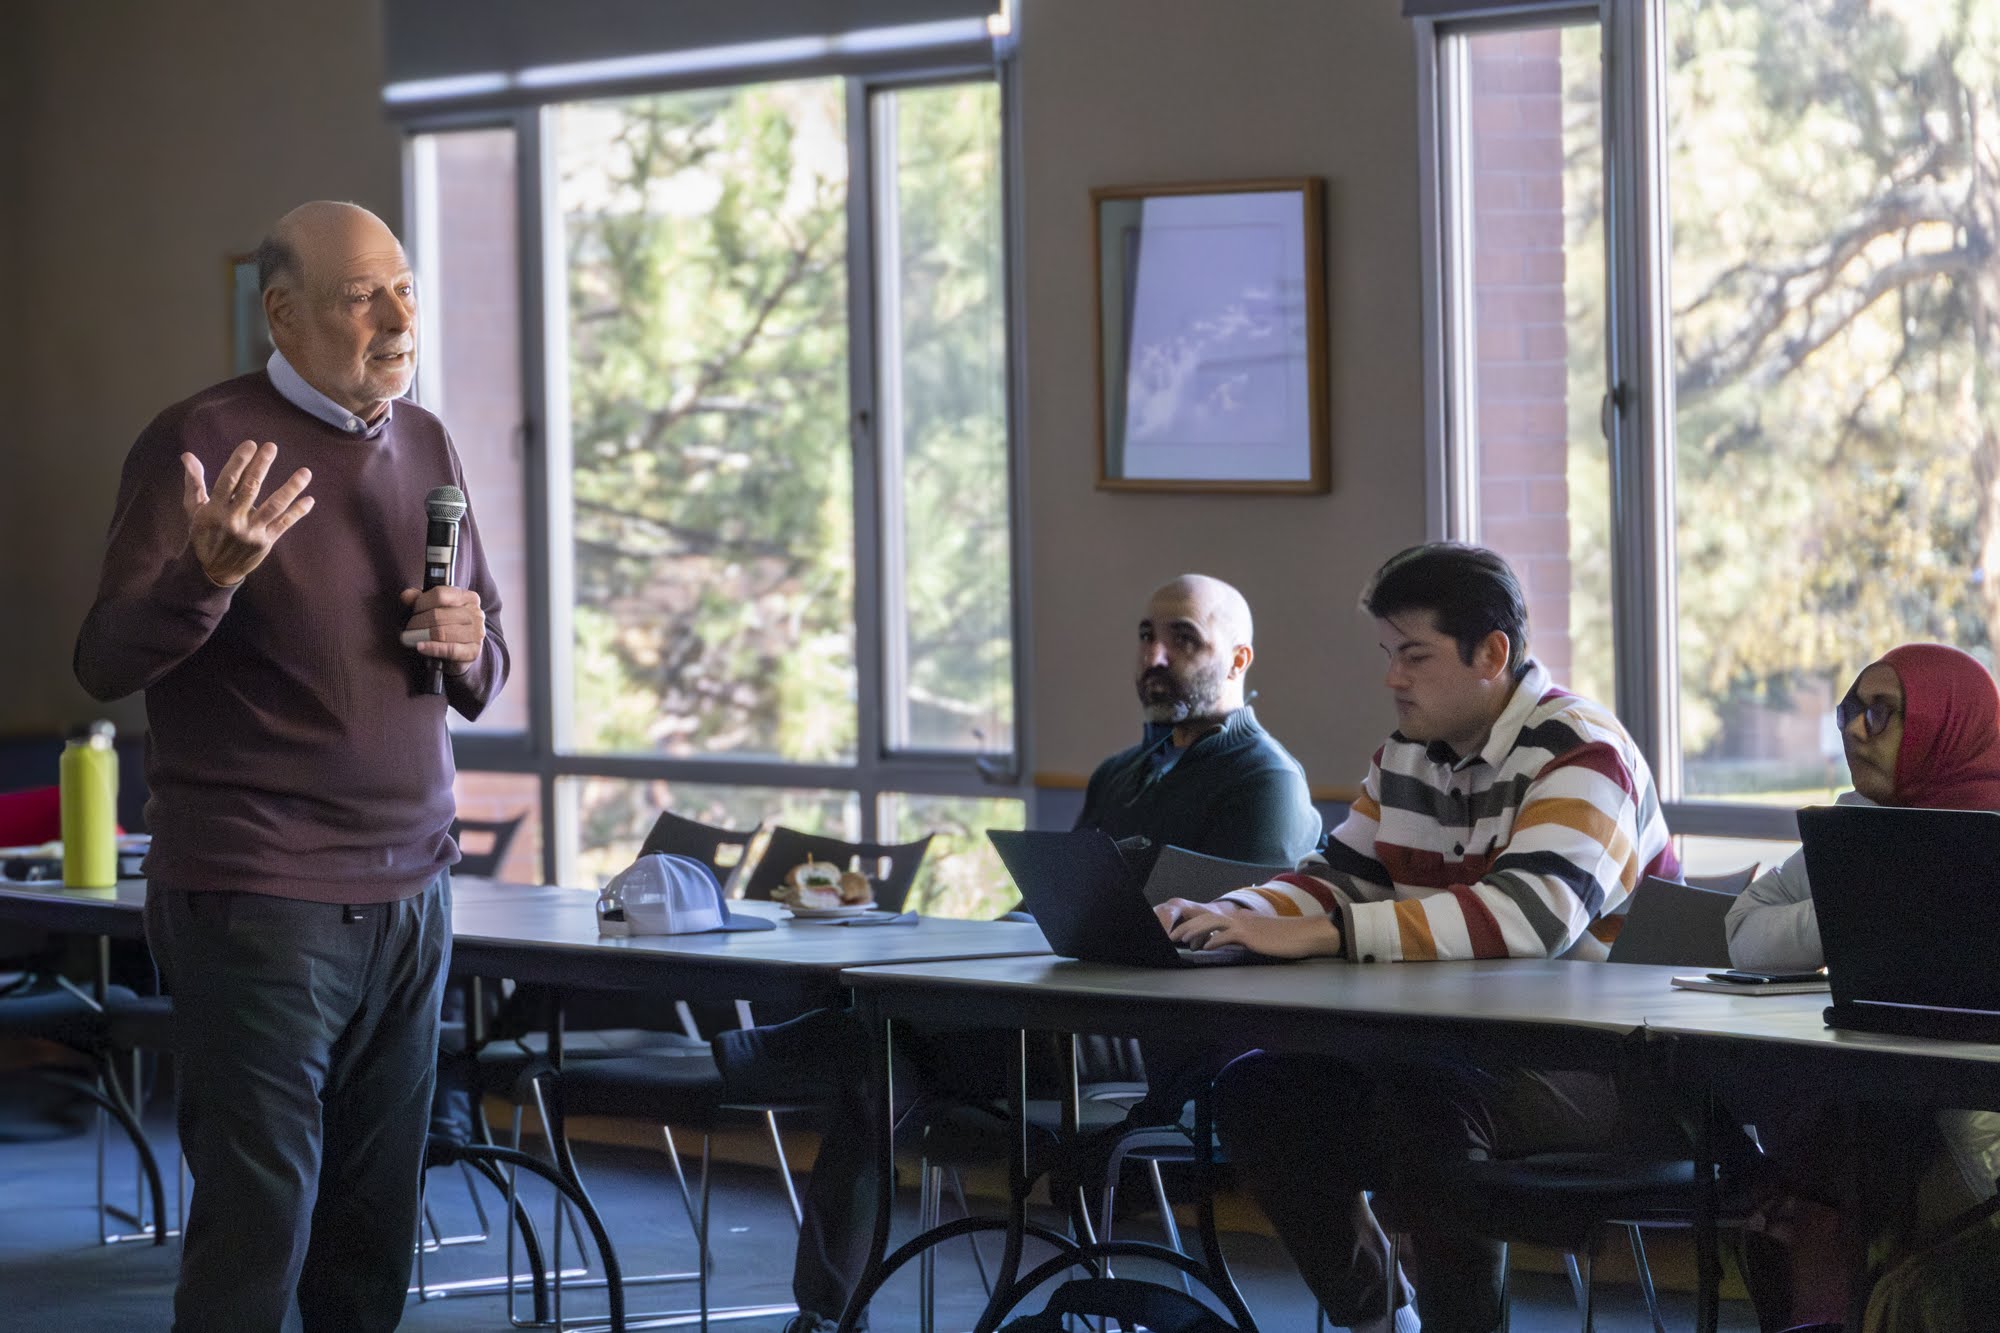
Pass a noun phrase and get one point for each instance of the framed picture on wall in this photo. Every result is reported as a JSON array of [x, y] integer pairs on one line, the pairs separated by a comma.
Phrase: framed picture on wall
[[249, 337], [1211, 336]]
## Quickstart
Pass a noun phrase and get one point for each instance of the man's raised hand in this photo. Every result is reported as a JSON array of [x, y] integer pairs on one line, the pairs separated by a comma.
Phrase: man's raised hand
[[229, 532]]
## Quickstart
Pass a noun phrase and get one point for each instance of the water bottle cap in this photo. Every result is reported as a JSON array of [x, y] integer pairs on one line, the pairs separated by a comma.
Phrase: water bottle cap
[[100, 732]]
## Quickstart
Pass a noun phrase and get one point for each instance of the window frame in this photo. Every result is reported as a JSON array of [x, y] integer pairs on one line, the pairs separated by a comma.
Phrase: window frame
[[1637, 409], [545, 750]]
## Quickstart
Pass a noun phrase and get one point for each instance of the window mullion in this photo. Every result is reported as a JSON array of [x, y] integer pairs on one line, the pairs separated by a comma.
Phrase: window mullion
[[865, 437], [546, 472], [1640, 406]]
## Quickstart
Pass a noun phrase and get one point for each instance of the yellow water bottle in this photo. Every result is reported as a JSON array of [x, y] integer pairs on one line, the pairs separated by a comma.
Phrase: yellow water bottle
[[90, 808]]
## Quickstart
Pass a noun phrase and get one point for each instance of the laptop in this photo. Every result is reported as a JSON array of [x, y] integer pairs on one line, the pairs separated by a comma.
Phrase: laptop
[[1908, 903], [1084, 897]]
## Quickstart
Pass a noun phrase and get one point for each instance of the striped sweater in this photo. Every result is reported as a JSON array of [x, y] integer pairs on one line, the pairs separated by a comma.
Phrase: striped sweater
[[1514, 852]]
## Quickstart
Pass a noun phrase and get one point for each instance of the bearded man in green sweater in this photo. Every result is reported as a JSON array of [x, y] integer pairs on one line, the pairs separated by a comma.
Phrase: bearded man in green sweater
[[1205, 776]]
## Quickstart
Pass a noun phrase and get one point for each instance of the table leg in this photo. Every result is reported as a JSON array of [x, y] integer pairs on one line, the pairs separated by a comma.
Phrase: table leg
[[883, 1041], [1065, 1174], [1008, 1286], [1018, 1184], [1708, 1257]]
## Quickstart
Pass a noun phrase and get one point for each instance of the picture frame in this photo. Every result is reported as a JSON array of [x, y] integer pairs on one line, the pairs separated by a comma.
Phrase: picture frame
[[249, 335], [1211, 336]]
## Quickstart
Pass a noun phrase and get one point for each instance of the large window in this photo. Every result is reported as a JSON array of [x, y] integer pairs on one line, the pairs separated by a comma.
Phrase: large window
[[1834, 188], [1789, 337], [767, 558], [712, 515]]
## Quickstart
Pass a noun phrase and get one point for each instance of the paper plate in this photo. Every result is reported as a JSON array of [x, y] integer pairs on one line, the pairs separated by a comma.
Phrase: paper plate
[[830, 913]]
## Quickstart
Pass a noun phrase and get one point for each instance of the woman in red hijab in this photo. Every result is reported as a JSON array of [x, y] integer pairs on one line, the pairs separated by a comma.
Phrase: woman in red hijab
[[1921, 727]]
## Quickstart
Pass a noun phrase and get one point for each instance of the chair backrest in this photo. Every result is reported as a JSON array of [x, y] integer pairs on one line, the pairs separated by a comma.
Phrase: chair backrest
[[1675, 924], [30, 818], [496, 835], [1179, 873], [892, 867], [1731, 882], [725, 851]]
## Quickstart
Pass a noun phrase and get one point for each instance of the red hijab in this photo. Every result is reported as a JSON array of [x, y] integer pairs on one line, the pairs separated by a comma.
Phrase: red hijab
[[1950, 755]]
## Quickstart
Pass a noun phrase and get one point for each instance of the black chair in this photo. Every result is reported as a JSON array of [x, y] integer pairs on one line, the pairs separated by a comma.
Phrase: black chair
[[497, 1055], [525, 1037], [893, 867], [490, 840], [1674, 925], [55, 1010], [1731, 882], [725, 851], [665, 1089]]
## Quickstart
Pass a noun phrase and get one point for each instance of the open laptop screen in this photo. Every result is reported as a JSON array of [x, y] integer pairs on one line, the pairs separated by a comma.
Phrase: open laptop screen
[[1908, 903]]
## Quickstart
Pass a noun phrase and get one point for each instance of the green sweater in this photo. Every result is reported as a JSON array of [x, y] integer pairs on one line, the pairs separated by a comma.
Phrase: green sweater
[[1235, 793]]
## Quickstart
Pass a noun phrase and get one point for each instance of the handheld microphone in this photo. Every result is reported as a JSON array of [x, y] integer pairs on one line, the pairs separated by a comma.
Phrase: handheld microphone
[[444, 506]]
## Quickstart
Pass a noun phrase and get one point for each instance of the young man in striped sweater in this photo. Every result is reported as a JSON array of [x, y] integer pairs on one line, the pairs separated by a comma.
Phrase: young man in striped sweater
[[1504, 818]]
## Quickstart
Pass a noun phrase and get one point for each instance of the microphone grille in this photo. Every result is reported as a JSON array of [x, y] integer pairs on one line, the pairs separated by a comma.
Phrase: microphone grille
[[446, 504]]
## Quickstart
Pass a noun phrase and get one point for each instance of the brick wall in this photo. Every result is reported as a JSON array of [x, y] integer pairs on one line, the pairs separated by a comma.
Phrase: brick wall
[[502, 796], [1523, 347]]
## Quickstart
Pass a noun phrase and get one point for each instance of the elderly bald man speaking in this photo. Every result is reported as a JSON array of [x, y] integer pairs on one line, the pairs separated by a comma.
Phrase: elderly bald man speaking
[[301, 777]]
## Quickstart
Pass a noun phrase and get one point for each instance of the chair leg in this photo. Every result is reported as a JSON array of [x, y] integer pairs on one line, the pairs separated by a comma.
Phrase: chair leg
[[701, 1232], [965, 1210], [1107, 1214], [785, 1171], [1589, 1287], [475, 1169], [564, 1178], [1645, 1272], [1167, 1219], [423, 1210], [1575, 1273], [680, 1177], [102, 1091], [437, 1232], [479, 1207], [928, 1188]]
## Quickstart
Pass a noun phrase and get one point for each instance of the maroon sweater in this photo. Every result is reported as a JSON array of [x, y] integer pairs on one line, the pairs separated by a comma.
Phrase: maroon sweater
[[291, 753]]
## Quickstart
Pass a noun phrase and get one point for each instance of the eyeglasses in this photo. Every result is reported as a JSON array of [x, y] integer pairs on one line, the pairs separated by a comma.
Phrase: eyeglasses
[[1876, 716]]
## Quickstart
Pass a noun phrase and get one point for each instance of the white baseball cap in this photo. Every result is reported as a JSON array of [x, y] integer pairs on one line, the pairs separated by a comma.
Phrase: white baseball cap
[[664, 894]]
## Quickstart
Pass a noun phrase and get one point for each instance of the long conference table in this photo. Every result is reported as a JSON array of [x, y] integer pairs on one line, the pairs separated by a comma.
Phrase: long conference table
[[1000, 975], [1551, 1013]]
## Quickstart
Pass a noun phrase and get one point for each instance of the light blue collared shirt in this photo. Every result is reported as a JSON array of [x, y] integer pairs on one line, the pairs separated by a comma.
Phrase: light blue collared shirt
[[311, 401]]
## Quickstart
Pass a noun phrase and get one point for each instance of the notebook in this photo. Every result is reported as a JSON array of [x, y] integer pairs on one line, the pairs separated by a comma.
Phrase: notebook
[[1908, 903], [1083, 896]]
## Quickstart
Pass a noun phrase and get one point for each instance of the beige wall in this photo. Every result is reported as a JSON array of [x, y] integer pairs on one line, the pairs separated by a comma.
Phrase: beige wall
[[160, 138], [146, 163], [1131, 91], [14, 69]]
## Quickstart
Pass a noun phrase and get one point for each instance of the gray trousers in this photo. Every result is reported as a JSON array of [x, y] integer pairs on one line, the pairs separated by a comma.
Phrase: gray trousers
[[306, 1035]]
